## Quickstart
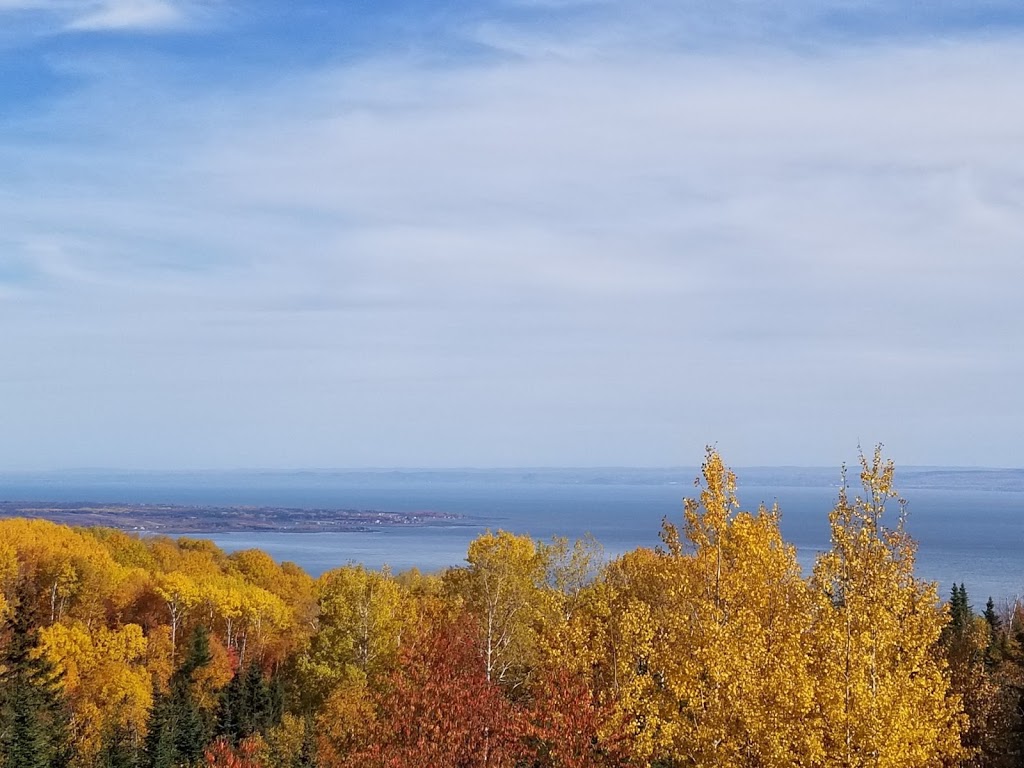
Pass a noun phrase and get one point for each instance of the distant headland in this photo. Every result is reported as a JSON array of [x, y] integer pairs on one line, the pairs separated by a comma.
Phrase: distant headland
[[206, 519]]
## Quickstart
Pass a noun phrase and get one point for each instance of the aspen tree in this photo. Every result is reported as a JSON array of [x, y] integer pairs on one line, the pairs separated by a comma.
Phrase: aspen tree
[[883, 688], [715, 635]]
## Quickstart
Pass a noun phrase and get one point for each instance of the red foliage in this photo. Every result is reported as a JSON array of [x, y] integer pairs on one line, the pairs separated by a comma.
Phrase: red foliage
[[222, 755], [564, 727], [439, 709]]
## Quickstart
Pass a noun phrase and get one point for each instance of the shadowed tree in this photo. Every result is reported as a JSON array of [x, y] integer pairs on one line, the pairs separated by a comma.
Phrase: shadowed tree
[[33, 713], [178, 731]]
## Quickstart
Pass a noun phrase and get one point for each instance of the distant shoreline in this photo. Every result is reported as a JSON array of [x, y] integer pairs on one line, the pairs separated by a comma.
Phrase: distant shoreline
[[214, 519]]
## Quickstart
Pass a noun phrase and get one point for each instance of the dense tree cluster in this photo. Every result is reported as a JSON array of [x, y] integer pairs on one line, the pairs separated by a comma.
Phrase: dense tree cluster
[[712, 650]]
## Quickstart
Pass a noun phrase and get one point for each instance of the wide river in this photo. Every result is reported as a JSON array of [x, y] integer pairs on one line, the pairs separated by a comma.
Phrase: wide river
[[969, 523]]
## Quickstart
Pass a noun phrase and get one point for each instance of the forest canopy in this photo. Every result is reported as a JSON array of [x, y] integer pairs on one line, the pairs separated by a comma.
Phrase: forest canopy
[[714, 649]]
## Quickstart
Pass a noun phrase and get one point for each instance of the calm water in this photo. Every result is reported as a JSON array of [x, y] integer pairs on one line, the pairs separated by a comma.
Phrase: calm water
[[970, 524]]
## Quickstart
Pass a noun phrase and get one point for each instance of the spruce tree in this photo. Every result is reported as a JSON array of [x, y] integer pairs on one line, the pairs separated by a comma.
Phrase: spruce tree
[[961, 613], [258, 702], [160, 751], [178, 729], [961, 617], [993, 651], [228, 707], [248, 705], [34, 729], [994, 622], [277, 698], [118, 750]]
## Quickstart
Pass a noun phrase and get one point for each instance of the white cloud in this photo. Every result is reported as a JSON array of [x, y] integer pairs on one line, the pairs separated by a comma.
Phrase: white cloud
[[129, 15], [390, 263], [106, 15]]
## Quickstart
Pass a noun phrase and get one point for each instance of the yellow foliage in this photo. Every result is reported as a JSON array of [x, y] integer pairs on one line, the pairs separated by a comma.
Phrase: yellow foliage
[[710, 638], [344, 724], [722, 654], [160, 656], [181, 595], [884, 693], [127, 550], [210, 678], [505, 589], [105, 679], [363, 616], [285, 742], [714, 650], [73, 572], [8, 572]]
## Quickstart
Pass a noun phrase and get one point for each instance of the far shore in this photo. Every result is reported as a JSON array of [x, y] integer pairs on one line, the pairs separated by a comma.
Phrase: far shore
[[205, 519]]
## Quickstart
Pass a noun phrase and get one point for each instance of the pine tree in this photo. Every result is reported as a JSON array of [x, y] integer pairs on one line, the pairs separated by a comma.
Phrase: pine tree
[[966, 617], [34, 731], [192, 732]]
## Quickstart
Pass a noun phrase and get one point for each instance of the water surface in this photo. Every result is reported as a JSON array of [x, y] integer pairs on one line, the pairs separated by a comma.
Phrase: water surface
[[969, 523]]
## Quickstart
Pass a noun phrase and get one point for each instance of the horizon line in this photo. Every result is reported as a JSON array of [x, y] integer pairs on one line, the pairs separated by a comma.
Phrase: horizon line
[[478, 468]]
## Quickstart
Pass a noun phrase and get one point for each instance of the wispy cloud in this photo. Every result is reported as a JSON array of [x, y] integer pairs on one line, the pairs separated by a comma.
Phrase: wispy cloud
[[609, 254], [32, 5], [105, 15], [129, 14]]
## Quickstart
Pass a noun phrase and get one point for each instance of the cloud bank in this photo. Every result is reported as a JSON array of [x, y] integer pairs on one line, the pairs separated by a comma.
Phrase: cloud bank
[[606, 246]]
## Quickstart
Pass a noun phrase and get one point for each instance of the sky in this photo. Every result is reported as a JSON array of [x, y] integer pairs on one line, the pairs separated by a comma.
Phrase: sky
[[510, 232]]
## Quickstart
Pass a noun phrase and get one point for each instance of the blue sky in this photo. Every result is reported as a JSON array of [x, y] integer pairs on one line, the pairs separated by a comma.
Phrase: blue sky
[[525, 232]]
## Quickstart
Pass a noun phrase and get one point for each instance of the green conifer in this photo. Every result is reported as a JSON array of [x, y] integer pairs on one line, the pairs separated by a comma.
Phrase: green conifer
[[34, 730], [996, 637], [118, 750], [160, 752], [228, 707], [178, 729], [248, 705], [994, 622]]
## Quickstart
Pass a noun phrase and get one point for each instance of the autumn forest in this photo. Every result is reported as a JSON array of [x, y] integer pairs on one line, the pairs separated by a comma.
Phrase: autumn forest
[[715, 649]]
